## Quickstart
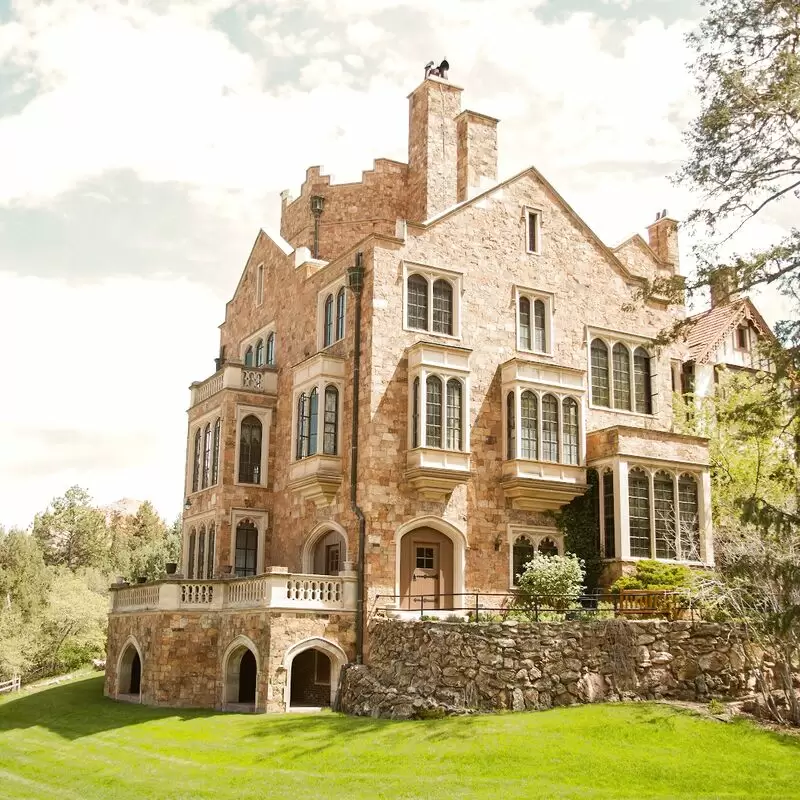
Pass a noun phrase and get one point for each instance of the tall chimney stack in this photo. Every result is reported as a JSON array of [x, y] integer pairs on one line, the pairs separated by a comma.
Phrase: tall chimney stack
[[663, 239]]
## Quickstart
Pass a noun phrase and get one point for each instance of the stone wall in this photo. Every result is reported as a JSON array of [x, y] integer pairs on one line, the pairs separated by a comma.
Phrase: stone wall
[[457, 668]]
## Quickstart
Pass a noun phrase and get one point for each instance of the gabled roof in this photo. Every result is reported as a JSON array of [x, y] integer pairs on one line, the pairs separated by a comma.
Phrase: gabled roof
[[708, 330]]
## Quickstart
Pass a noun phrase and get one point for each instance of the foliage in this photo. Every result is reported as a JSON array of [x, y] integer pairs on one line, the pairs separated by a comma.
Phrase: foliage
[[553, 581], [653, 575], [581, 527], [715, 707]]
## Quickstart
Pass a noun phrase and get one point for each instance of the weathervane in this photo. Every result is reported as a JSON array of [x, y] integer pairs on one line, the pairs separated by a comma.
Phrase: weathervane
[[437, 72]]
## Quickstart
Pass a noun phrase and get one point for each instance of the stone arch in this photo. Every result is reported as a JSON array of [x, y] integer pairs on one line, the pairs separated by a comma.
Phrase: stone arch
[[337, 656], [456, 535], [309, 555], [129, 670], [234, 662]]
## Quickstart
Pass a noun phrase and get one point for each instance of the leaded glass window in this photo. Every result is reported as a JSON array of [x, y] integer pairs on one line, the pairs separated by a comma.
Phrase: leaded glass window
[[313, 414], [415, 414], [190, 555], [207, 455], [622, 377], [639, 513], [608, 514], [417, 302], [211, 551], [260, 353], [525, 340], [522, 553], [549, 428], [340, 311], [642, 381], [331, 429], [327, 336], [201, 553], [215, 456], [443, 307], [250, 450], [454, 414], [570, 428], [539, 326], [529, 425], [664, 512], [246, 549], [248, 356], [689, 518], [433, 422], [271, 350], [197, 460], [511, 428], [600, 385]]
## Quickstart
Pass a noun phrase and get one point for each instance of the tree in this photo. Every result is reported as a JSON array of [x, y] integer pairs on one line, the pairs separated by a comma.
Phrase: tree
[[24, 581]]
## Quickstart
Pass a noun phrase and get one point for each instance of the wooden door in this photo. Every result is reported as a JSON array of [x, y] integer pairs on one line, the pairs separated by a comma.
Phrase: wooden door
[[426, 568], [425, 575]]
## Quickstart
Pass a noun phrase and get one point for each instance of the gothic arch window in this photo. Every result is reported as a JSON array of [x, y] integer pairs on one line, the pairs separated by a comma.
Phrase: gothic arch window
[[547, 547], [212, 543], [549, 428], [327, 336], [601, 395], [433, 422], [260, 353], [303, 426], [539, 326], [201, 553], [331, 422], [571, 430], [313, 416], [340, 314], [190, 554], [639, 513], [455, 410], [642, 384], [417, 302], [415, 414], [522, 553], [250, 450], [664, 514], [622, 377], [529, 425], [196, 460], [689, 518], [215, 455], [525, 338], [207, 455], [443, 307], [511, 432], [246, 553], [248, 356], [271, 350]]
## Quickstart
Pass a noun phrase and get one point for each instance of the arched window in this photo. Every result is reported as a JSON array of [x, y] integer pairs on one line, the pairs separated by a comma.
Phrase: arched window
[[271, 350], [664, 512], [215, 456], [600, 387], [539, 332], [689, 518], [201, 553], [415, 414], [248, 356], [207, 455], [549, 428], [190, 554], [641, 381], [303, 426], [609, 537], [547, 547], [260, 353], [313, 417], [417, 303], [196, 461], [331, 428], [622, 377], [250, 450], [571, 430], [443, 307], [433, 422], [639, 513], [212, 543], [454, 415], [340, 310], [511, 427], [529, 425], [246, 549], [327, 337], [521, 555], [525, 340]]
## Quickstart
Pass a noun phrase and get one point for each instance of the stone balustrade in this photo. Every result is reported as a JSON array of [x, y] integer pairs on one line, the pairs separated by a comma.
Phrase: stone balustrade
[[276, 589], [236, 376]]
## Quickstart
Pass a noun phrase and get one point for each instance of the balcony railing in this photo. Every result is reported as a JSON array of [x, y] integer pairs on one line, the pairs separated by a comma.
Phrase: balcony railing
[[236, 376], [276, 590]]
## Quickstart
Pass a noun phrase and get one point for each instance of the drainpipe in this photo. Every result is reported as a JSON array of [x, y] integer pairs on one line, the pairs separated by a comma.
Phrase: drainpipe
[[355, 281], [317, 205]]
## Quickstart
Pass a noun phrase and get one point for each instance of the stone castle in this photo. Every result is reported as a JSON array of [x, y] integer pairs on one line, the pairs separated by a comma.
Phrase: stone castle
[[411, 378]]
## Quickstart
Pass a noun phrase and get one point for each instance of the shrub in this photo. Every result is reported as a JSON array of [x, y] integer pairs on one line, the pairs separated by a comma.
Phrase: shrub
[[554, 581], [656, 575]]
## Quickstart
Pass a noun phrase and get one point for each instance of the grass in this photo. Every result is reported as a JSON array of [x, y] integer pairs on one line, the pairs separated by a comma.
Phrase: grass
[[69, 742]]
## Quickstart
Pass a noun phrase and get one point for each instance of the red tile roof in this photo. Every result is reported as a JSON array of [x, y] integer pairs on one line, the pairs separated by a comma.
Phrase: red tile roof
[[708, 329]]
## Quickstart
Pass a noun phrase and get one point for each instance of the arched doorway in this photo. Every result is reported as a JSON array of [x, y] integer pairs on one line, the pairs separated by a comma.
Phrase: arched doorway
[[426, 570], [247, 678], [240, 670], [129, 673], [325, 550], [311, 680]]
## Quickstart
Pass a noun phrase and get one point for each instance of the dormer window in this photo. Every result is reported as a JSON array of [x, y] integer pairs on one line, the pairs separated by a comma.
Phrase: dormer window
[[742, 338]]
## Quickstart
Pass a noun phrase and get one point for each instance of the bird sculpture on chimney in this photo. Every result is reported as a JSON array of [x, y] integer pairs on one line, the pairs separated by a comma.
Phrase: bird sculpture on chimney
[[437, 72]]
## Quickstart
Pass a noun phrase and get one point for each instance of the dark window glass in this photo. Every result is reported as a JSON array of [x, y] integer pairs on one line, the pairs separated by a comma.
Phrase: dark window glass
[[248, 356], [332, 553], [212, 542], [190, 564], [330, 434], [433, 428], [511, 429], [250, 450], [641, 381], [417, 302], [539, 329], [340, 314], [689, 518], [197, 459], [415, 414], [742, 341], [246, 549], [454, 411], [522, 554], [525, 340], [215, 457], [549, 428], [327, 336], [609, 538], [533, 232], [443, 307], [547, 547], [201, 554], [529, 425], [425, 558], [664, 512], [303, 425], [207, 455], [271, 350], [600, 388], [622, 377], [571, 430], [260, 353], [639, 513], [313, 415]]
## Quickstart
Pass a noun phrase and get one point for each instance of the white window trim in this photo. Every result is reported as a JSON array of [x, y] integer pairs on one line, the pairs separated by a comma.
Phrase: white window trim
[[630, 342], [548, 298], [331, 288], [261, 521], [201, 422], [264, 415], [195, 523], [432, 274], [260, 284], [527, 211], [252, 341], [535, 534], [444, 375], [319, 383]]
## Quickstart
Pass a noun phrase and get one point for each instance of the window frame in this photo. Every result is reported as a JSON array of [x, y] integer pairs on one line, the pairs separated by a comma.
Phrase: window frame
[[535, 213], [251, 341], [321, 384], [264, 415], [260, 284], [261, 520], [535, 534], [418, 424], [431, 275], [533, 296], [742, 327], [332, 291], [195, 466]]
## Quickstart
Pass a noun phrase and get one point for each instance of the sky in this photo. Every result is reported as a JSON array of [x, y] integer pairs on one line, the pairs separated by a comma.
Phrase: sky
[[143, 145]]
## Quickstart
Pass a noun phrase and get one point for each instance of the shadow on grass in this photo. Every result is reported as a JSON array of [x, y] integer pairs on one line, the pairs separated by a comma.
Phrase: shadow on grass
[[78, 709]]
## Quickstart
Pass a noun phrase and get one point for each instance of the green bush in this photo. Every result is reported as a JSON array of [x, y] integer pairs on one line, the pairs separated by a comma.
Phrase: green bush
[[551, 581], [651, 575]]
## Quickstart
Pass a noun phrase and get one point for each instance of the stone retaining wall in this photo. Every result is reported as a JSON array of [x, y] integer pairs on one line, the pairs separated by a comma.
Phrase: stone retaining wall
[[458, 668]]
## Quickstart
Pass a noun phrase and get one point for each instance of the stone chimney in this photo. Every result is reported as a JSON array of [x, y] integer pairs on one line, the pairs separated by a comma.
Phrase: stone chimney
[[722, 282], [432, 152], [476, 153], [663, 239]]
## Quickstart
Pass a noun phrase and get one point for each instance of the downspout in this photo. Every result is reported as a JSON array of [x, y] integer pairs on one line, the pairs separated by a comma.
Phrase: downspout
[[355, 281]]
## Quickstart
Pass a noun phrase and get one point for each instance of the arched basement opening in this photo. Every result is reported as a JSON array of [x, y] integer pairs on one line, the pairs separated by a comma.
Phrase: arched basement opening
[[129, 676], [247, 678], [311, 680], [241, 677]]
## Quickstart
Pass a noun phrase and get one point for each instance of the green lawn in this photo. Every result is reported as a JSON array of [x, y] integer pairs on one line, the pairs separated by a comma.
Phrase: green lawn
[[70, 742]]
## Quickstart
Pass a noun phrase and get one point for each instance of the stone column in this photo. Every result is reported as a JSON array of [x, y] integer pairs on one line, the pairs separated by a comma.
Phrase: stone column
[[621, 516]]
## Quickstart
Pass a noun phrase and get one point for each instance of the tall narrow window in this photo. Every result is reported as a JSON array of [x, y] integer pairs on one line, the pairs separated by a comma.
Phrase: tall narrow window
[[664, 512], [443, 307], [529, 425], [532, 232], [600, 388], [201, 553], [549, 428], [250, 450], [207, 455], [608, 514], [511, 427], [340, 314], [622, 377], [271, 350], [331, 426], [313, 416], [433, 422], [197, 460], [639, 513], [190, 555], [212, 543], [522, 553], [260, 284], [303, 425], [248, 356], [641, 381], [417, 302], [454, 414], [689, 518], [215, 456], [260, 353], [539, 326], [415, 413], [525, 340], [570, 426], [246, 549], [327, 335]]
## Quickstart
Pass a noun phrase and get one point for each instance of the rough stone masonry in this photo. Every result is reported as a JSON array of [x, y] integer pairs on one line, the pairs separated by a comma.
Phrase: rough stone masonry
[[456, 668]]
